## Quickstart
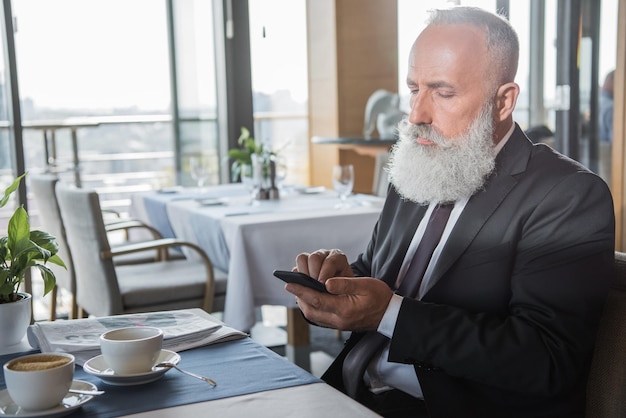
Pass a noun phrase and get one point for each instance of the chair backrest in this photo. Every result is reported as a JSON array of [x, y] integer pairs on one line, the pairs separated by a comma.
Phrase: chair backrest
[[606, 388], [97, 290], [42, 187], [381, 181]]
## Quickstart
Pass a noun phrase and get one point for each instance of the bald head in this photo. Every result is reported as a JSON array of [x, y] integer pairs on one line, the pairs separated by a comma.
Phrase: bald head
[[501, 42]]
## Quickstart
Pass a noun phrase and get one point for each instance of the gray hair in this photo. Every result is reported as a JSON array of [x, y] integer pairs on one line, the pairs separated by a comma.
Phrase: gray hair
[[502, 41]]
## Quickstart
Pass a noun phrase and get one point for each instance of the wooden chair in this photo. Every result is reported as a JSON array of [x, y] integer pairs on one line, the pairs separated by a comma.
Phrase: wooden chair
[[606, 388], [106, 288]]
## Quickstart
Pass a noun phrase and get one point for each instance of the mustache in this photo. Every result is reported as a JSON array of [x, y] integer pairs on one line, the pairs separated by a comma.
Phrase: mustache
[[411, 132]]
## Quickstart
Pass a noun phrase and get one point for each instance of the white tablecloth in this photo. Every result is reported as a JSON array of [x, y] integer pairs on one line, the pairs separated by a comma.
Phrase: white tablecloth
[[251, 241], [309, 401]]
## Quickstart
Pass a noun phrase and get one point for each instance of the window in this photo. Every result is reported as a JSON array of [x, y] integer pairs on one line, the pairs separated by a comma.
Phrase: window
[[104, 63], [279, 82]]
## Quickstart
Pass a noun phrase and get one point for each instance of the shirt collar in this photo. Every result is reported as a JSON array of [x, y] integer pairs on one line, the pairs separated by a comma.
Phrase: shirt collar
[[505, 139]]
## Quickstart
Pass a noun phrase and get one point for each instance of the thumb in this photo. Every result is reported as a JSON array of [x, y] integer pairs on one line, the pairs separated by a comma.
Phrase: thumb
[[342, 285]]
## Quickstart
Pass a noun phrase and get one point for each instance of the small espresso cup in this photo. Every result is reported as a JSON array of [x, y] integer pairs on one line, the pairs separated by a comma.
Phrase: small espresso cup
[[131, 350], [39, 381]]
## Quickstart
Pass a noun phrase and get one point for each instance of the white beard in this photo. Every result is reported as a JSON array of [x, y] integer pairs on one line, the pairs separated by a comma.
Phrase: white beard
[[452, 169]]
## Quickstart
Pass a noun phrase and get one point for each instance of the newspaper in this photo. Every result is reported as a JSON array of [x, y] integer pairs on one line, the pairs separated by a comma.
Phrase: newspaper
[[182, 330]]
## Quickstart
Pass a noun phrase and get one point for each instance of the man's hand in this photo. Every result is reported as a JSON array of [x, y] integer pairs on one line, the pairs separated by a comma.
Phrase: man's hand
[[354, 304], [323, 264]]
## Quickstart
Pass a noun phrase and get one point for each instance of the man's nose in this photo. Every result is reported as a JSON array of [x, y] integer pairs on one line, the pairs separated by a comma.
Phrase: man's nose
[[420, 110]]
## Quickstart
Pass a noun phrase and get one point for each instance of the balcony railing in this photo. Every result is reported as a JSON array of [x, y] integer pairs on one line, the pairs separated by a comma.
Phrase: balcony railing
[[122, 155]]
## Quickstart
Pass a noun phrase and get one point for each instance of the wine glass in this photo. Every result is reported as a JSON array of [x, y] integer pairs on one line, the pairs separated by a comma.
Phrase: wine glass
[[249, 181], [281, 170], [199, 170], [343, 182]]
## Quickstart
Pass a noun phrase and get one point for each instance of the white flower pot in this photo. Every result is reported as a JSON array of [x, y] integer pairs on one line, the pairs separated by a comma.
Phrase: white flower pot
[[14, 320]]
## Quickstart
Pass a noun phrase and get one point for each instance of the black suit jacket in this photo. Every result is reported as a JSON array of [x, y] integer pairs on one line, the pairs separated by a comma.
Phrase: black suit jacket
[[508, 323]]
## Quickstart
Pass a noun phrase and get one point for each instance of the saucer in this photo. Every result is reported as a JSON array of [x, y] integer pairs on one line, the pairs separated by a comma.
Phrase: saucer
[[97, 367], [70, 402]]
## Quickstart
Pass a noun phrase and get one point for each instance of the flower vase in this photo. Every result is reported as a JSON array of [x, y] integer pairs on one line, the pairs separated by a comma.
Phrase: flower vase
[[261, 174]]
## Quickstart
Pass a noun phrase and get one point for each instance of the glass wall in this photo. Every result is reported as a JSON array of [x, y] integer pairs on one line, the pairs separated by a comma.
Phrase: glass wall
[[96, 73], [278, 48], [96, 86], [196, 91]]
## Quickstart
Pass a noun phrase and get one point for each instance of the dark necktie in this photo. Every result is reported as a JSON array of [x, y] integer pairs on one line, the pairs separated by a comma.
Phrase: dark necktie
[[356, 361]]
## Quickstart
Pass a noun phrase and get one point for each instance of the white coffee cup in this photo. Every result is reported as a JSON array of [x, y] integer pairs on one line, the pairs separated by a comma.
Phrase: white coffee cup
[[131, 350], [39, 381]]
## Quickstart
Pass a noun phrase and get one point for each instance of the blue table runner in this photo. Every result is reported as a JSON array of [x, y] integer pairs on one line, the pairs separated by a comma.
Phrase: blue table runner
[[239, 367]]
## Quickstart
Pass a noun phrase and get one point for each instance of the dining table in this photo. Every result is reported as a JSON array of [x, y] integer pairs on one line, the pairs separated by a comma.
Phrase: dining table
[[251, 380], [249, 239]]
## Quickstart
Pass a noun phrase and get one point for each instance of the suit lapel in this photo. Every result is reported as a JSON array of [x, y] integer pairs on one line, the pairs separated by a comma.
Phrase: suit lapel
[[511, 160], [405, 222]]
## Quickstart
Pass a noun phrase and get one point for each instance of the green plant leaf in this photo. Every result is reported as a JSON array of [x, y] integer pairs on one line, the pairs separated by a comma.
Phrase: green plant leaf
[[6, 288], [13, 187], [18, 229], [55, 259], [244, 137], [48, 278], [241, 156], [45, 240], [22, 249], [4, 251]]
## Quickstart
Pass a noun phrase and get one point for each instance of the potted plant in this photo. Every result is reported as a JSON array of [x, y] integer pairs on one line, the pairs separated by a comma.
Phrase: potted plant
[[242, 157], [20, 250]]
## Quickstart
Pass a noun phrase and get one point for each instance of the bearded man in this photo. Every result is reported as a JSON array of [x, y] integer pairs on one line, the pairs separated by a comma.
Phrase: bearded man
[[500, 321]]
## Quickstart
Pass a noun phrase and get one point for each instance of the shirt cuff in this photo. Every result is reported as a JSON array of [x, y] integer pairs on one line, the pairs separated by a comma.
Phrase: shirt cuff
[[388, 323]]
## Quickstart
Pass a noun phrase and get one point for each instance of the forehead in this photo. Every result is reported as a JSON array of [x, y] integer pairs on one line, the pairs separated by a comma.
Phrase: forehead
[[449, 51]]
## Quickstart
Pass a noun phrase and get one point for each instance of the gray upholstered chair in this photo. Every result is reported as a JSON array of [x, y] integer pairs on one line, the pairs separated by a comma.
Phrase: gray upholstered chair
[[105, 288], [606, 389], [42, 187]]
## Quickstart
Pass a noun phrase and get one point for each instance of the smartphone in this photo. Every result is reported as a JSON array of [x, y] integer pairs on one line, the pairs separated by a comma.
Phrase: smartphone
[[300, 278]]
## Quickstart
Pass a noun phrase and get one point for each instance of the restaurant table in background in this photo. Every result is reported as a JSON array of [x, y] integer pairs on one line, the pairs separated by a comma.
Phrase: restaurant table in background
[[250, 240], [249, 378]]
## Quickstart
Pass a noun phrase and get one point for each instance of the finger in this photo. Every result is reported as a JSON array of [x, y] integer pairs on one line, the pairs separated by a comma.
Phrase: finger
[[302, 263], [344, 286], [337, 253], [334, 265], [299, 290], [356, 286], [315, 261], [306, 295], [314, 305]]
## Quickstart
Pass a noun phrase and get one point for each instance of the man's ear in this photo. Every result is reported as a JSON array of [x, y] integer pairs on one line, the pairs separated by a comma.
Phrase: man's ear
[[506, 97]]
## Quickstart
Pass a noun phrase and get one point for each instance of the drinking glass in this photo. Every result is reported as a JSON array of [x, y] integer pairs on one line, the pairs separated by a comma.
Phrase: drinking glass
[[199, 170], [281, 170], [343, 182], [248, 179]]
